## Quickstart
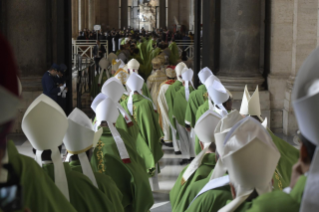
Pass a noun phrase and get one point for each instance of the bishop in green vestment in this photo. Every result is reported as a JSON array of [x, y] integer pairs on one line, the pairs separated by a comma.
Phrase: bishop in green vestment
[[181, 187], [147, 120], [139, 143], [39, 191], [130, 178], [105, 184], [83, 195]]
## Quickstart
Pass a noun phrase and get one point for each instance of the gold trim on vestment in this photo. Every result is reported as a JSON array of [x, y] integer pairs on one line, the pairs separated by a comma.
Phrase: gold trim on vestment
[[80, 151], [100, 157]]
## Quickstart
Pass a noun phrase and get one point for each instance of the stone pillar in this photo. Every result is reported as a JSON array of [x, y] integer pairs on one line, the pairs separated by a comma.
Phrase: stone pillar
[[282, 13], [162, 16], [92, 12], [240, 38], [305, 40], [124, 8], [75, 18]]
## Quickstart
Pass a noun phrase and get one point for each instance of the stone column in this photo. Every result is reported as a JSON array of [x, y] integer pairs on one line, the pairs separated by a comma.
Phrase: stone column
[[75, 18], [162, 19], [282, 14], [92, 12], [124, 8], [240, 37], [305, 40]]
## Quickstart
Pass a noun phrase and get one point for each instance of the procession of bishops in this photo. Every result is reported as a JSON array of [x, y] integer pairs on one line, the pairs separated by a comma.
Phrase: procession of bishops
[[234, 162]]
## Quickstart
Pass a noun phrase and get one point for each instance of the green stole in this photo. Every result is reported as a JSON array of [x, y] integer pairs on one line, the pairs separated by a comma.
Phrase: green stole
[[84, 196], [170, 97], [275, 201], [174, 56], [211, 200], [179, 107], [289, 157], [105, 184], [39, 191], [130, 178], [139, 143], [147, 120], [180, 188], [297, 192], [196, 99]]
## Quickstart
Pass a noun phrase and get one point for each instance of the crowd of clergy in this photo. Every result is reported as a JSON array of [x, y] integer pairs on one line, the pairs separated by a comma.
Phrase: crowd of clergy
[[234, 161]]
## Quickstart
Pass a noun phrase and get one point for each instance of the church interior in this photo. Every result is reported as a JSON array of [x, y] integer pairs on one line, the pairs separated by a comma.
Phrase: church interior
[[159, 105]]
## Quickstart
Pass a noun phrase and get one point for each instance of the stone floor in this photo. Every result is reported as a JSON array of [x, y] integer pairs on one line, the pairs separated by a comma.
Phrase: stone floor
[[170, 170]]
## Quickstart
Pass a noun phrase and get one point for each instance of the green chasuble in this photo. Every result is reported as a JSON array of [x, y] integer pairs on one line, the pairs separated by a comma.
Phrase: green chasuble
[[130, 178], [192, 192], [180, 103], [196, 99], [147, 120], [145, 91], [297, 192], [84, 196], [174, 56], [180, 188], [139, 143], [105, 184], [289, 157], [276, 201], [39, 191], [170, 98], [212, 200]]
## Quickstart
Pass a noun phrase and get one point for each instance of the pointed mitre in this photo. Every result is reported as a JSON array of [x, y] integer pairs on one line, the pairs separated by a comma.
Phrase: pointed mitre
[[104, 63], [135, 82], [113, 89], [305, 100], [45, 124], [218, 93], [209, 81], [206, 125], [250, 105], [106, 110], [179, 70], [250, 157], [187, 77], [221, 130], [133, 65], [79, 138], [204, 129], [121, 75], [204, 74]]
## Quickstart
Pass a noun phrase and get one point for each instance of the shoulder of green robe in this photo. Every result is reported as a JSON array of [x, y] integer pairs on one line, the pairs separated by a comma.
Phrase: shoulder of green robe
[[209, 159], [202, 109], [297, 192], [275, 201]]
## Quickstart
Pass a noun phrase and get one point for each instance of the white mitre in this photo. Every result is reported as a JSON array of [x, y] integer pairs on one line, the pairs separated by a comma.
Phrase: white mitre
[[106, 110], [79, 138], [250, 105], [305, 100], [135, 83], [187, 77], [250, 157], [179, 69], [204, 129], [221, 130], [45, 124], [204, 74], [219, 95], [133, 66], [114, 89]]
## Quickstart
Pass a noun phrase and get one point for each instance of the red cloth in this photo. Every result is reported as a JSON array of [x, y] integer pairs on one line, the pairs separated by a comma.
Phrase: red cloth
[[169, 82]]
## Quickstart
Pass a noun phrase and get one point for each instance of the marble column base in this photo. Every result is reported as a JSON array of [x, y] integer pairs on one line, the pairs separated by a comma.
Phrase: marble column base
[[237, 83]]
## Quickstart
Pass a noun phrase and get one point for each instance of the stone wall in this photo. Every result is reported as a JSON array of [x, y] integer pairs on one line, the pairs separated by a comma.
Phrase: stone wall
[[294, 35]]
